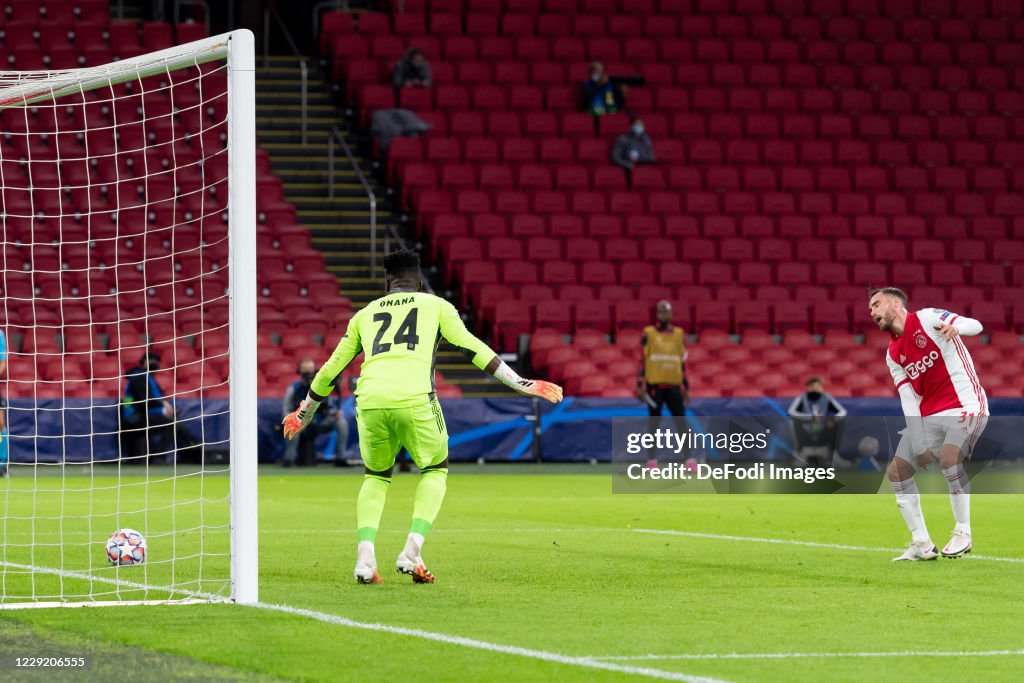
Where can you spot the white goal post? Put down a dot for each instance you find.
(127, 191)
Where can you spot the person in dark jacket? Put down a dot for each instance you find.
(817, 424)
(149, 423)
(633, 147)
(601, 95)
(302, 450)
(412, 70)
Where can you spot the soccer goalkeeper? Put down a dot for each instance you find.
(397, 403)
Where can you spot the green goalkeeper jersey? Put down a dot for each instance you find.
(399, 334)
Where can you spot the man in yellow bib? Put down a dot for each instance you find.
(662, 379)
(397, 403)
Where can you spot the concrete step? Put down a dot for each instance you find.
(328, 206)
(349, 267)
(350, 228)
(348, 243)
(302, 175)
(272, 97)
(320, 215)
(298, 162)
(289, 120)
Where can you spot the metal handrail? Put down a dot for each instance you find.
(337, 136)
(303, 65)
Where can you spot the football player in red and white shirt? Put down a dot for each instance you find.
(945, 406)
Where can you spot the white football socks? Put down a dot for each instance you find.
(365, 554)
(959, 496)
(908, 499)
(413, 546)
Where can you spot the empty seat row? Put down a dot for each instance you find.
(736, 152)
(748, 273)
(867, 179)
(666, 203)
(631, 22)
(442, 226)
(732, 249)
(703, 99)
(935, 10)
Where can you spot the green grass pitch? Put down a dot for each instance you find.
(541, 558)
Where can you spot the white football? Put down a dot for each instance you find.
(126, 547)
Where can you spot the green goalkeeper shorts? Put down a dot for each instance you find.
(383, 432)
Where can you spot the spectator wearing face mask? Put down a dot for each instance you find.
(412, 70)
(601, 95)
(302, 450)
(815, 402)
(634, 147)
(151, 429)
(817, 424)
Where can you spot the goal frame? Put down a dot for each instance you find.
(237, 47)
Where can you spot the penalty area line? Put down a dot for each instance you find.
(809, 655)
(666, 532)
(585, 662)
(805, 544)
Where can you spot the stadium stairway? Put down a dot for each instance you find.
(338, 227)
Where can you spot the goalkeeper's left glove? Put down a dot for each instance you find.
(297, 421)
(528, 387)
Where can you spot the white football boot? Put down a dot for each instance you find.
(366, 564)
(915, 552)
(413, 567)
(959, 544)
(366, 574)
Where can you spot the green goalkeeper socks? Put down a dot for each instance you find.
(370, 505)
(429, 495)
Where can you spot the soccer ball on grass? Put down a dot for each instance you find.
(126, 547)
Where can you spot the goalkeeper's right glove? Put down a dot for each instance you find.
(297, 421)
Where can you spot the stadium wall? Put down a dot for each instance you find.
(576, 430)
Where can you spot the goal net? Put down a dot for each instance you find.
(129, 318)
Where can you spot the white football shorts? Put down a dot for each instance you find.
(951, 427)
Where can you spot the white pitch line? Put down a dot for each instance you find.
(585, 662)
(121, 583)
(810, 655)
(806, 544)
(398, 630)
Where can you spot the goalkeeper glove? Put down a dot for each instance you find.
(297, 421)
(529, 387)
(538, 387)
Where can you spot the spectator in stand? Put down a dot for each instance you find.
(814, 402)
(412, 70)
(302, 450)
(817, 424)
(662, 378)
(150, 427)
(634, 147)
(601, 95)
